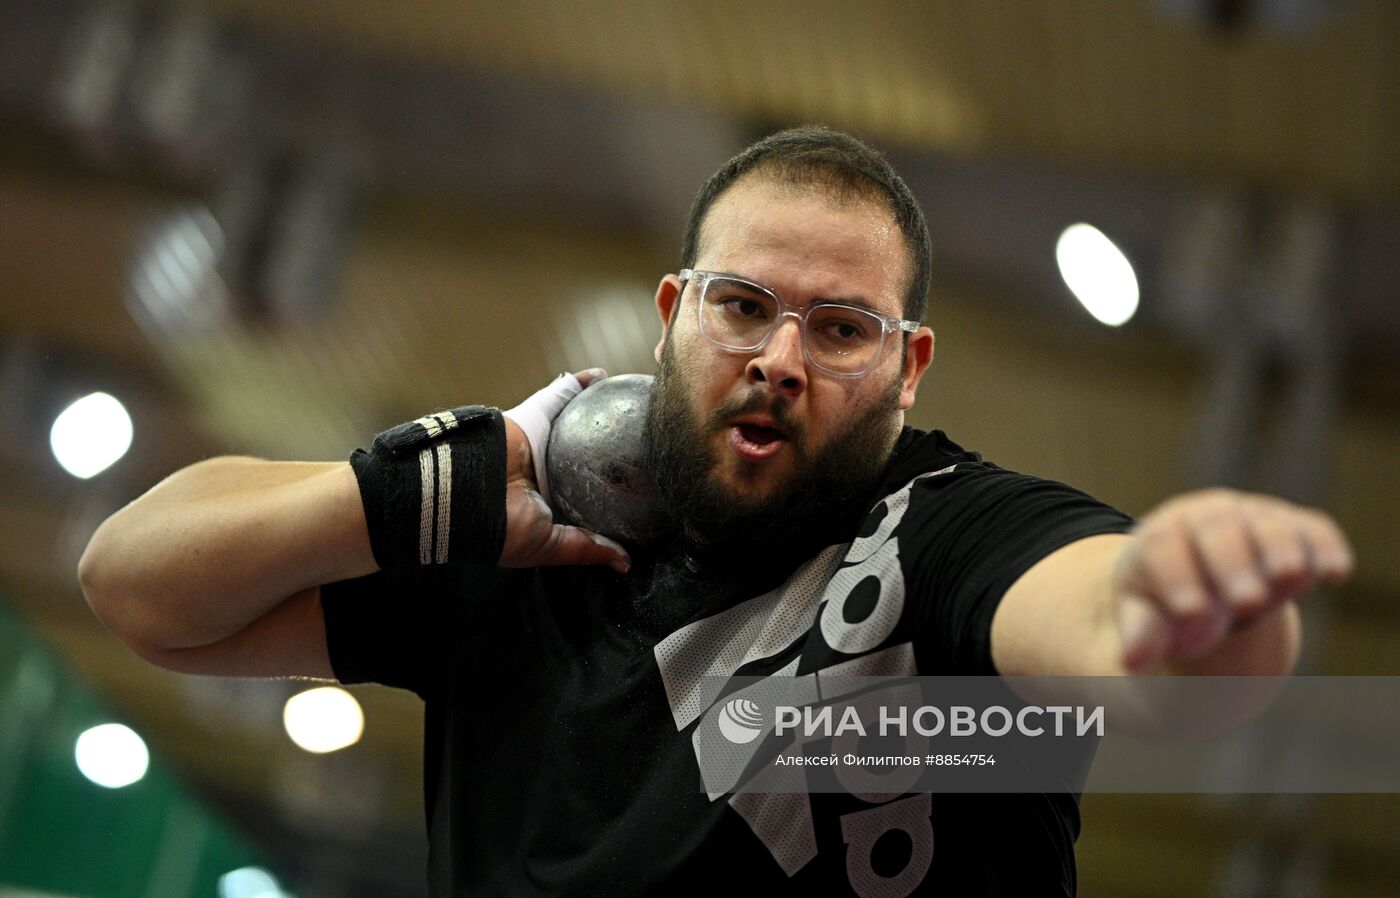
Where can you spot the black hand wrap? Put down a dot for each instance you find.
(434, 489)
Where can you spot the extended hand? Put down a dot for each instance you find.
(532, 537)
(1209, 564)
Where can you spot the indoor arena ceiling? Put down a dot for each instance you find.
(1307, 100)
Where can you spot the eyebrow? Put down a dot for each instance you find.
(853, 301)
(857, 301)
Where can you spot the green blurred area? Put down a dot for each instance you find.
(63, 835)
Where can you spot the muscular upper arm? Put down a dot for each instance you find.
(288, 641)
(1055, 620)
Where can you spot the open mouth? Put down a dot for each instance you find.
(756, 442)
(759, 435)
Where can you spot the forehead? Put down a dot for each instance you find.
(807, 244)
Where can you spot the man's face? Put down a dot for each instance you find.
(761, 440)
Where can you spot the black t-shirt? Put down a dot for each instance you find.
(561, 702)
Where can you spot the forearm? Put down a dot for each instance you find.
(1056, 619)
(217, 545)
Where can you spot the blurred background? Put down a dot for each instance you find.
(1167, 249)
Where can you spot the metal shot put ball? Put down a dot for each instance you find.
(596, 460)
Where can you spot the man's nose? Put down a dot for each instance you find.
(780, 363)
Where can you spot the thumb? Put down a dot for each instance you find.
(575, 545)
(1144, 633)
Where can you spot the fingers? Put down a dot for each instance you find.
(534, 540)
(1166, 609)
(1221, 536)
(1283, 552)
(589, 375)
(1278, 541)
(1210, 563)
(574, 545)
(535, 415)
(1329, 552)
(1168, 568)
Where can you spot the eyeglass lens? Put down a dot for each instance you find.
(740, 316)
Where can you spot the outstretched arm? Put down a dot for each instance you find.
(1208, 583)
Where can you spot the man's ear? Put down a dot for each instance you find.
(916, 361)
(668, 300)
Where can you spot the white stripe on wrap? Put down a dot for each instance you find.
(444, 500)
(425, 509)
(430, 423)
(437, 423)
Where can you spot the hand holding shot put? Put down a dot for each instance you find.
(532, 537)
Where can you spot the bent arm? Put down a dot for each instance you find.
(216, 568)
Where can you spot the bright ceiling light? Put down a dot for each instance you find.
(111, 755)
(323, 719)
(90, 435)
(1098, 273)
(249, 882)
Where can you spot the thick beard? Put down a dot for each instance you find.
(820, 503)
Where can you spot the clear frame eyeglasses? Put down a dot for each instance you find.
(838, 338)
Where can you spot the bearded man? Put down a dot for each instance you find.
(807, 530)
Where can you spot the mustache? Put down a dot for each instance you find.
(760, 400)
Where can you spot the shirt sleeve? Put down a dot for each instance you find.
(974, 531)
(395, 626)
